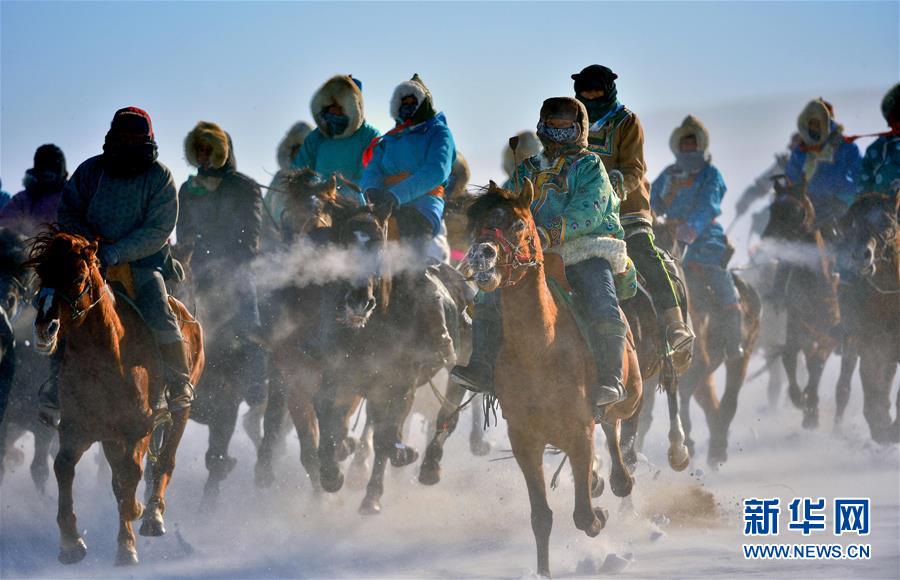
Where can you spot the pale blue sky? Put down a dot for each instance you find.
(252, 67)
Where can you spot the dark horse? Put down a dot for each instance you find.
(709, 354)
(870, 303)
(22, 369)
(809, 291)
(376, 353)
(109, 369)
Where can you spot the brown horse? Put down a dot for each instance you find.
(698, 381)
(809, 291)
(870, 299)
(108, 370)
(544, 368)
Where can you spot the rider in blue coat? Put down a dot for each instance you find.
(405, 175)
(689, 193)
(828, 165)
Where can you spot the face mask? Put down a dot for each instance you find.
(407, 111)
(601, 106)
(129, 160)
(816, 136)
(337, 124)
(690, 161)
(560, 135)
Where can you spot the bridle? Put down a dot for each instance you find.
(511, 257)
(77, 312)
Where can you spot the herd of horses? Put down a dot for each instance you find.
(375, 357)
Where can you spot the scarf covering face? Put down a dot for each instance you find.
(563, 108)
(560, 135)
(691, 161)
(123, 154)
(601, 106)
(337, 124)
(597, 78)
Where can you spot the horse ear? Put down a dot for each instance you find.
(526, 194)
(91, 249)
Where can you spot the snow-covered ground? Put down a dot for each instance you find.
(475, 522)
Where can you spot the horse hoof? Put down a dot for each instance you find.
(430, 473)
(679, 458)
(74, 553)
(404, 456)
(479, 447)
(332, 483)
(621, 485)
(153, 524)
(811, 420)
(126, 557)
(796, 397)
(370, 507)
(264, 477)
(598, 484)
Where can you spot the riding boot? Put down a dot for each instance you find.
(679, 337)
(607, 346)
(434, 323)
(478, 375)
(48, 395)
(731, 330)
(179, 392)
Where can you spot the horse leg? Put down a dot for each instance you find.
(849, 360)
(735, 373)
(789, 360)
(358, 473)
(686, 393)
(620, 480)
(160, 476)
(629, 435)
(530, 457)
(303, 415)
(272, 430)
(588, 519)
(648, 402)
(815, 364)
(876, 381)
(775, 369)
(387, 418)
(678, 455)
(445, 424)
(40, 470)
(218, 462)
(125, 461)
(72, 548)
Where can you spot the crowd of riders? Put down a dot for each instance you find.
(586, 163)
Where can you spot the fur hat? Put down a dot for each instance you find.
(416, 88)
(569, 108)
(291, 143)
(529, 146)
(343, 90)
(890, 105)
(459, 177)
(815, 109)
(132, 120)
(207, 134)
(49, 157)
(594, 77)
(691, 126)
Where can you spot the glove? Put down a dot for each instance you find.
(108, 256)
(383, 202)
(685, 233)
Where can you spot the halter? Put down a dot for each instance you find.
(511, 257)
(73, 302)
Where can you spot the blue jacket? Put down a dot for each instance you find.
(881, 165)
(327, 156)
(830, 174)
(425, 152)
(695, 199)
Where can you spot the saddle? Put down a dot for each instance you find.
(121, 282)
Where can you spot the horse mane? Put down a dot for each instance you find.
(491, 196)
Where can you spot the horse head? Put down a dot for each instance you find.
(310, 202)
(13, 279)
(368, 286)
(869, 234)
(505, 237)
(69, 274)
(791, 215)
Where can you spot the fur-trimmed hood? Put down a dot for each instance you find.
(580, 249)
(563, 106)
(291, 143)
(416, 88)
(529, 146)
(342, 90)
(821, 110)
(207, 134)
(459, 178)
(690, 126)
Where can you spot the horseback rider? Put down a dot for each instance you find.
(126, 199)
(274, 200)
(528, 146)
(35, 207)
(405, 176)
(880, 170)
(825, 163)
(616, 135)
(336, 145)
(763, 186)
(689, 195)
(219, 223)
(574, 202)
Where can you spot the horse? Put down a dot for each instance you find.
(22, 370)
(709, 353)
(871, 254)
(544, 367)
(809, 291)
(109, 369)
(371, 305)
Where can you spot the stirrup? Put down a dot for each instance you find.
(459, 375)
(183, 400)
